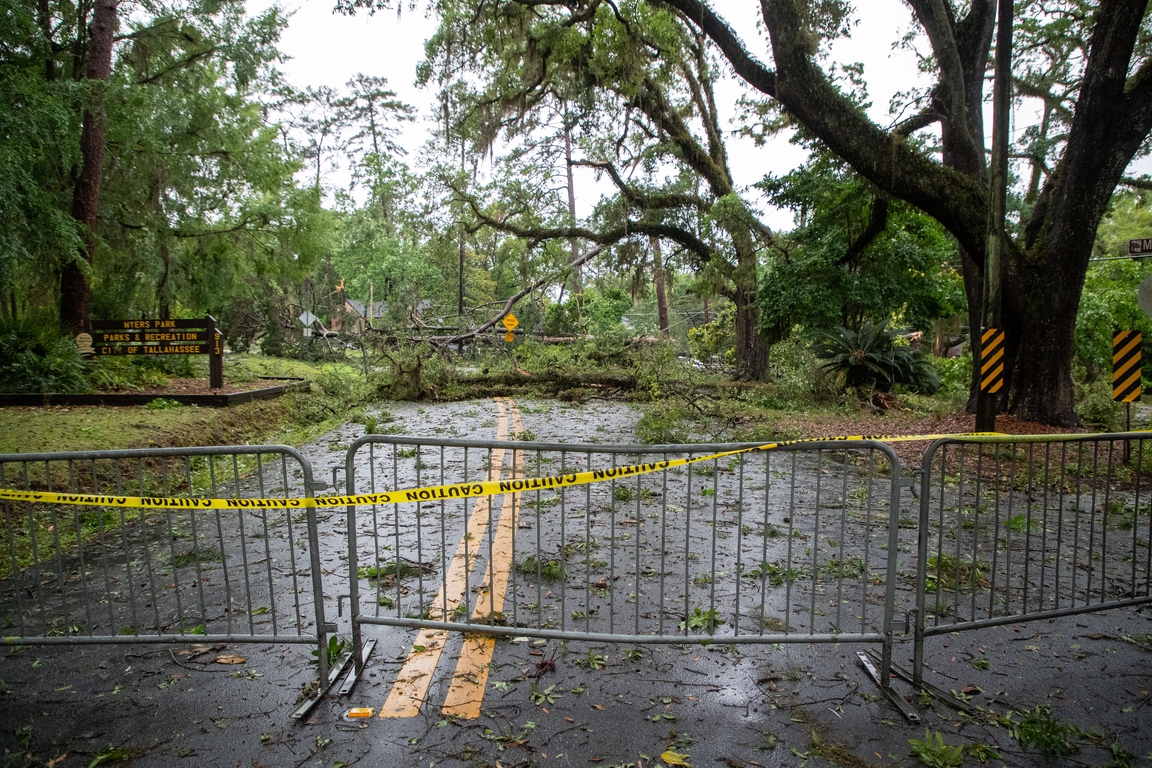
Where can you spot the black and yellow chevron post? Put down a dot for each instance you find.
(992, 360)
(1127, 366)
(1127, 375)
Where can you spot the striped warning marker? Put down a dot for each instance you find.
(992, 360)
(1127, 366)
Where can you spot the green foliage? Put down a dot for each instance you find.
(380, 254)
(542, 696)
(595, 311)
(1040, 731)
(208, 216)
(39, 358)
(110, 755)
(831, 274)
(663, 423)
(1095, 405)
(342, 385)
(945, 572)
(39, 147)
(982, 752)
(702, 620)
(413, 374)
(545, 569)
(1108, 302)
(336, 646)
(114, 374)
(714, 342)
(872, 358)
(798, 375)
(400, 569)
(777, 574)
(955, 376)
(934, 753)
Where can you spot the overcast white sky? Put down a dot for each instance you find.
(328, 49)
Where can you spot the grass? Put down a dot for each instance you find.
(292, 419)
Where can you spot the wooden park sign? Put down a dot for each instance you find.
(157, 337)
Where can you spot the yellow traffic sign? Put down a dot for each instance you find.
(509, 337)
(510, 322)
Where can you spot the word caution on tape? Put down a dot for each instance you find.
(472, 489)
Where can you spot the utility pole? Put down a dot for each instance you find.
(987, 404)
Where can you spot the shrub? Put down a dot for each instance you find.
(1096, 406)
(955, 375)
(871, 358)
(39, 358)
(797, 373)
(714, 343)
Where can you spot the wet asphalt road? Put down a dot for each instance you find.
(602, 704)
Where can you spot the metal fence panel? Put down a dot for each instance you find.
(1020, 528)
(79, 574)
(793, 545)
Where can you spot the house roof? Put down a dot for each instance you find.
(379, 308)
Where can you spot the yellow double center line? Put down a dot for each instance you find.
(466, 693)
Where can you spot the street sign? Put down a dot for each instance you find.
(186, 336)
(1144, 296)
(1127, 366)
(307, 317)
(509, 337)
(1140, 246)
(992, 360)
(510, 321)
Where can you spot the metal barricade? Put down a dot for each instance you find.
(796, 545)
(87, 574)
(1029, 527)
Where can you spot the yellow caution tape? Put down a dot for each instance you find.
(441, 492)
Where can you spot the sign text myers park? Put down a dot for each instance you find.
(195, 336)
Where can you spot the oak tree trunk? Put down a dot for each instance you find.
(751, 351)
(74, 285)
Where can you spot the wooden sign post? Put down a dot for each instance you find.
(157, 337)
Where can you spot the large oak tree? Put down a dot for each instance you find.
(1088, 62)
(1106, 105)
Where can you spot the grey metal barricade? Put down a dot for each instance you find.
(796, 545)
(86, 574)
(1019, 528)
